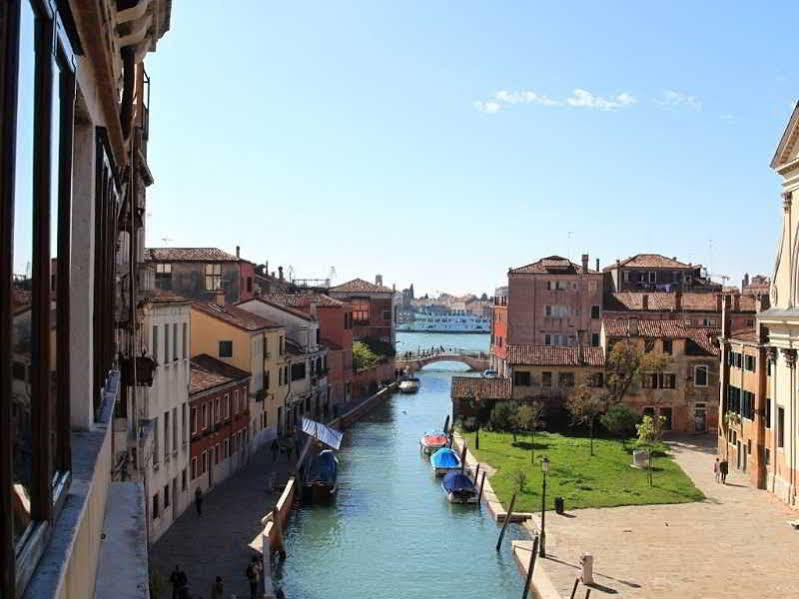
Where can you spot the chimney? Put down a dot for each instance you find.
(280, 272)
(219, 297)
(597, 264)
(585, 262)
(725, 315)
(745, 282)
(394, 287)
(378, 279)
(645, 302)
(238, 252)
(678, 301)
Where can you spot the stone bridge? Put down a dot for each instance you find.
(413, 361)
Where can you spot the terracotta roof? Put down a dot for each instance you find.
(285, 308)
(361, 286)
(549, 265)
(548, 355)
(235, 316)
(651, 261)
(702, 337)
(161, 296)
(189, 255)
(474, 387)
(208, 372)
(303, 300)
(658, 301)
(705, 339)
(747, 335)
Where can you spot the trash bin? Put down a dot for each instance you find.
(559, 505)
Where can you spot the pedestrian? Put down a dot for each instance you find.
(198, 501)
(177, 579)
(253, 573)
(274, 447)
(218, 589)
(717, 469)
(724, 468)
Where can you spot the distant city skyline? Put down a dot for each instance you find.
(442, 145)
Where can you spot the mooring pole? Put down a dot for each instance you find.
(463, 457)
(530, 567)
(507, 519)
(476, 472)
(587, 593)
(446, 424)
(482, 482)
(574, 588)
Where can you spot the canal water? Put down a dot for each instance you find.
(391, 532)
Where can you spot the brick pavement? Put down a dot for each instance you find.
(216, 543)
(734, 544)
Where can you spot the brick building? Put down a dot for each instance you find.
(374, 310)
(219, 419)
(198, 272)
(654, 272)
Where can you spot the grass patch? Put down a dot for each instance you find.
(604, 480)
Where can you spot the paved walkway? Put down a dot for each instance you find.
(215, 544)
(736, 543)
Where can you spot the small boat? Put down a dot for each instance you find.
(445, 460)
(409, 385)
(431, 442)
(459, 488)
(320, 484)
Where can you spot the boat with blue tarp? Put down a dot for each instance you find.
(459, 488)
(320, 483)
(445, 460)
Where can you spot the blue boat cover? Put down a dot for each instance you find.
(445, 458)
(455, 481)
(323, 467)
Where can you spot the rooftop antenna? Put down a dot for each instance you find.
(569, 245)
(331, 275)
(166, 240)
(710, 259)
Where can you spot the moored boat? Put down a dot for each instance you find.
(320, 484)
(459, 488)
(431, 442)
(409, 385)
(445, 460)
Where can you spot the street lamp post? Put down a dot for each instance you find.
(542, 545)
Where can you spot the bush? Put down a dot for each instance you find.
(468, 425)
(362, 356)
(503, 416)
(620, 420)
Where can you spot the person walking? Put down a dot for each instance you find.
(717, 469)
(178, 580)
(198, 501)
(723, 469)
(218, 589)
(275, 448)
(253, 574)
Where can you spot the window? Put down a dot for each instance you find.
(205, 462)
(700, 376)
(666, 414)
(249, 284)
(749, 363)
(217, 451)
(547, 340)
(226, 448)
(213, 277)
(747, 404)
(217, 411)
(767, 415)
(225, 349)
(163, 276)
(166, 436)
(667, 380)
(738, 360)
(546, 379)
(521, 378)
(174, 342)
(780, 427)
(298, 371)
(360, 311)
(204, 419)
(166, 343)
(155, 506)
(595, 340)
(183, 480)
(155, 441)
(155, 342)
(236, 401)
(667, 346)
(266, 381)
(733, 399)
(226, 406)
(185, 340)
(596, 379)
(594, 312)
(649, 380)
(194, 421)
(194, 472)
(183, 423)
(387, 315)
(767, 456)
(166, 496)
(566, 379)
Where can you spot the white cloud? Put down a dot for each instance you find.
(675, 99)
(489, 107)
(524, 97)
(582, 98)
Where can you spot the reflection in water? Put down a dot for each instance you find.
(391, 533)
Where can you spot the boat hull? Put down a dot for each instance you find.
(317, 492)
(463, 499)
(441, 471)
(408, 387)
(428, 449)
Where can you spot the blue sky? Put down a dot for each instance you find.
(440, 143)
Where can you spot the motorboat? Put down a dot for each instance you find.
(320, 483)
(459, 488)
(431, 442)
(409, 385)
(445, 460)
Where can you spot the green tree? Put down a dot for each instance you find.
(620, 420)
(586, 403)
(529, 418)
(502, 416)
(626, 364)
(362, 356)
(650, 431)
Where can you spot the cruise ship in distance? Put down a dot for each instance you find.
(457, 321)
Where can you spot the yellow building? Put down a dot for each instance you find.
(253, 344)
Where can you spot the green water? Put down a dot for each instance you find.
(391, 532)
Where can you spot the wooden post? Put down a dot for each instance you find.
(446, 425)
(463, 457)
(574, 588)
(476, 472)
(507, 519)
(587, 593)
(477, 437)
(530, 567)
(482, 482)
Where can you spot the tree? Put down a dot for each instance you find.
(620, 420)
(530, 417)
(626, 364)
(362, 356)
(484, 297)
(519, 478)
(502, 416)
(586, 403)
(649, 433)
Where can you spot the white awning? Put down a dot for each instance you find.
(329, 436)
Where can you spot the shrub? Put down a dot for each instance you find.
(362, 356)
(502, 416)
